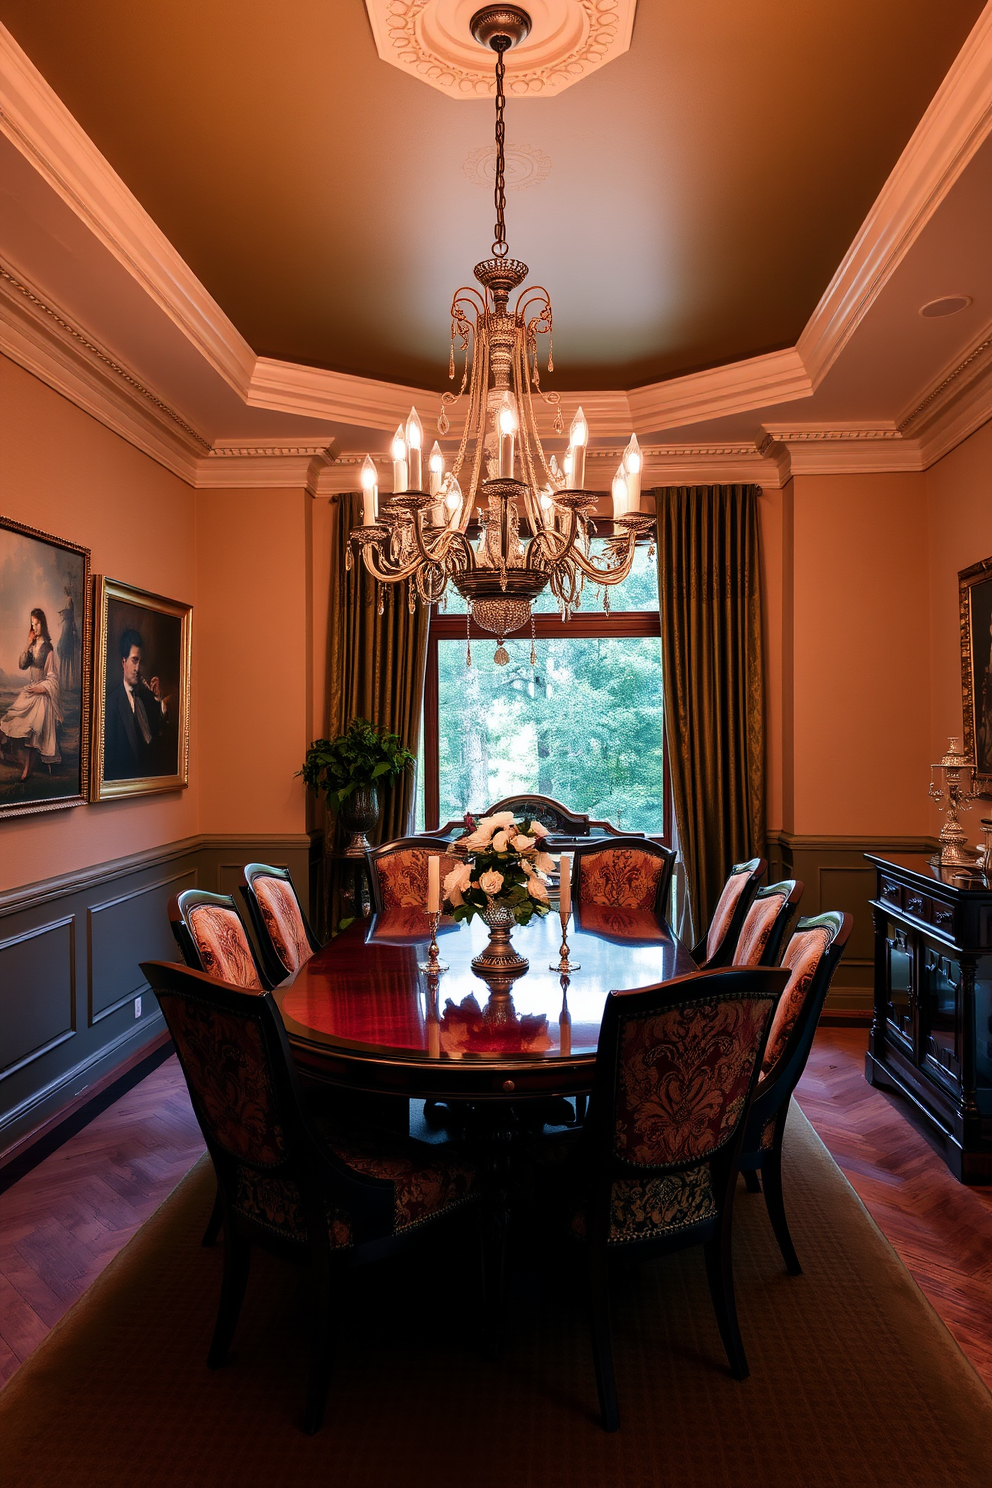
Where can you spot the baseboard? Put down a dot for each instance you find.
(113, 1062)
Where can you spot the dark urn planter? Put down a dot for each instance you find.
(358, 814)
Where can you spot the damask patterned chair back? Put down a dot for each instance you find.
(810, 959)
(398, 871)
(621, 874)
(676, 1071)
(284, 936)
(765, 924)
(212, 938)
(717, 946)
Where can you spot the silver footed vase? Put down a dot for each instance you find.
(499, 958)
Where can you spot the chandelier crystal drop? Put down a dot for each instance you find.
(533, 525)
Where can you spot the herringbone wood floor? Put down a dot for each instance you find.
(65, 1220)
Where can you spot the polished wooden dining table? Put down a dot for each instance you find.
(362, 1015)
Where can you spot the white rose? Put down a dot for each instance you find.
(491, 882)
(538, 830)
(537, 888)
(544, 862)
(457, 880)
(526, 866)
(476, 841)
(500, 841)
(454, 897)
(490, 824)
(523, 843)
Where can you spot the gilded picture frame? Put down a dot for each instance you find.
(141, 691)
(975, 584)
(45, 654)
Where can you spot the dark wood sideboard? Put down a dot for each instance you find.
(931, 1033)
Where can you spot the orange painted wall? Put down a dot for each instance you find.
(253, 693)
(959, 508)
(64, 473)
(860, 665)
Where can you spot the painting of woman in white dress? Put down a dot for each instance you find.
(33, 718)
(44, 679)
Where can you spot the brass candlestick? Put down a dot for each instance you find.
(433, 965)
(563, 966)
(956, 790)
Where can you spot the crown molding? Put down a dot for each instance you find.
(757, 382)
(46, 343)
(35, 120)
(840, 449)
(253, 467)
(952, 129)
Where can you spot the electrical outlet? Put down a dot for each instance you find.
(137, 1007)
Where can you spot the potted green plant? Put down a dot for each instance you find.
(348, 771)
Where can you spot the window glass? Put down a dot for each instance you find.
(584, 726)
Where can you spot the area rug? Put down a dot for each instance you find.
(855, 1383)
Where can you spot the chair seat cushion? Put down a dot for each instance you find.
(655, 1205)
(428, 1182)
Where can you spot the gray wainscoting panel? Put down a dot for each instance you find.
(123, 931)
(37, 993)
(67, 1015)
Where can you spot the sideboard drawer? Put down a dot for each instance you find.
(891, 892)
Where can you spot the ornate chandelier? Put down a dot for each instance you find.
(534, 525)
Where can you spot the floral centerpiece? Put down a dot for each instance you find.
(503, 879)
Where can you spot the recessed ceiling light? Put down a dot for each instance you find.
(946, 305)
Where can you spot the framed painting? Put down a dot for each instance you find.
(976, 667)
(140, 692)
(44, 671)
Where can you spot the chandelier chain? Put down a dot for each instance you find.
(500, 246)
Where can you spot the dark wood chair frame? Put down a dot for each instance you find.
(774, 1094)
(601, 1165)
(400, 844)
(791, 891)
(274, 968)
(179, 907)
(559, 821)
(722, 956)
(320, 1175)
(668, 855)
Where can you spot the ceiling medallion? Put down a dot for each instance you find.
(503, 523)
(566, 41)
(525, 166)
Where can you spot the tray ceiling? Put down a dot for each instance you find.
(685, 206)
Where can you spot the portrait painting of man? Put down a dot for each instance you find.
(44, 671)
(976, 635)
(142, 724)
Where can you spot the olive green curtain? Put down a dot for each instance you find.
(376, 663)
(709, 589)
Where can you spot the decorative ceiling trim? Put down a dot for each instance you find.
(42, 340)
(757, 382)
(945, 140)
(952, 383)
(265, 450)
(37, 122)
(252, 468)
(525, 165)
(432, 41)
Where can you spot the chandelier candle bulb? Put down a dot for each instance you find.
(621, 493)
(370, 492)
(434, 884)
(507, 432)
(632, 464)
(415, 448)
(578, 435)
(435, 465)
(398, 453)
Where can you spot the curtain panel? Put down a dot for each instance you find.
(376, 663)
(709, 591)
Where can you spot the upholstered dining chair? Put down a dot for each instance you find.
(810, 958)
(658, 1157)
(625, 873)
(398, 871)
(212, 938)
(716, 948)
(764, 926)
(282, 931)
(331, 1198)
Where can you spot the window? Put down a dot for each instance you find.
(583, 725)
